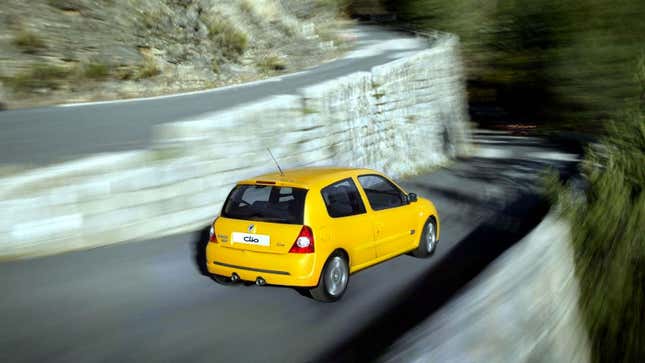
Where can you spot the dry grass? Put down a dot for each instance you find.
(215, 66)
(231, 41)
(148, 69)
(271, 63)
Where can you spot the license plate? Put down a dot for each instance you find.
(251, 239)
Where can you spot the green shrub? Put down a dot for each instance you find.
(227, 37)
(39, 76)
(609, 240)
(96, 71)
(28, 42)
(608, 230)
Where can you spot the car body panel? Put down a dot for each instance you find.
(366, 239)
(281, 235)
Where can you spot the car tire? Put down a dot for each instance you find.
(334, 279)
(428, 240)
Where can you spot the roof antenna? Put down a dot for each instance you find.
(275, 161)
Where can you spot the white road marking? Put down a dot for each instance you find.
(210, 90)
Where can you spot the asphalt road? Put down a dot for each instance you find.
(147, 301)
(50, 134)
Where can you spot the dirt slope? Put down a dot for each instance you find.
(57, 51)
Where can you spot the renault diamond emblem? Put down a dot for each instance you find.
(251, 228)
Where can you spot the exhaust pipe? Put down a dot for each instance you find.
(260, 281)
(235, 277)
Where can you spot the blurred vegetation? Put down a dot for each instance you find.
(231, 41)
(38, 77)
(563, 62)
(42, 77)
(27, 41)
(566, 65)
(96, 71)
(271, 63)
(341, 7)
(609, 239)
(147, 69)
(66, 5)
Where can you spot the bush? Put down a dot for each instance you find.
(271, 63)
(215, 66)
(609, 240)
(147, 70)
(28, 42)
(96, 71)
(229, 39)
(39, 76)
(124, 73)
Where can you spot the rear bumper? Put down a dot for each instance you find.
(276, 269)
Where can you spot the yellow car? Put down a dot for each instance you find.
(313, 227)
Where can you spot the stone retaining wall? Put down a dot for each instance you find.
(402, 117)
(522, 308)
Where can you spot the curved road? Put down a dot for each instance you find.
(51, 134)
(147, 301)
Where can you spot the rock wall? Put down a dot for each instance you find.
(401, 117)
(522, 308)
(89, 50)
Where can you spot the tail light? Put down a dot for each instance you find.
(305, 241)
(212, 238)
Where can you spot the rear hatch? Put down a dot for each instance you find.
(263, 218)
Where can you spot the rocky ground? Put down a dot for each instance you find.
(61, 51)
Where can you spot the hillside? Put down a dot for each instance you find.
(59, 51)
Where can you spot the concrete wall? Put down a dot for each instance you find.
(522, 308)
(400, 118)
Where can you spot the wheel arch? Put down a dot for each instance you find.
(429, 211)
(433, 217)
(340, 250)
(343, 252)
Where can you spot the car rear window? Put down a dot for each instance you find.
(266, 203)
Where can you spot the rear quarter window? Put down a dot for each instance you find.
(266, 203)
(342, 199)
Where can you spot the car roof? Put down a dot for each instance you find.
(311, 177)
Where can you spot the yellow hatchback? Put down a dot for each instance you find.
(313, 227)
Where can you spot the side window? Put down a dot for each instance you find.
(381, 193)
(342, 199)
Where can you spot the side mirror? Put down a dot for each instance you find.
(412, 197)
